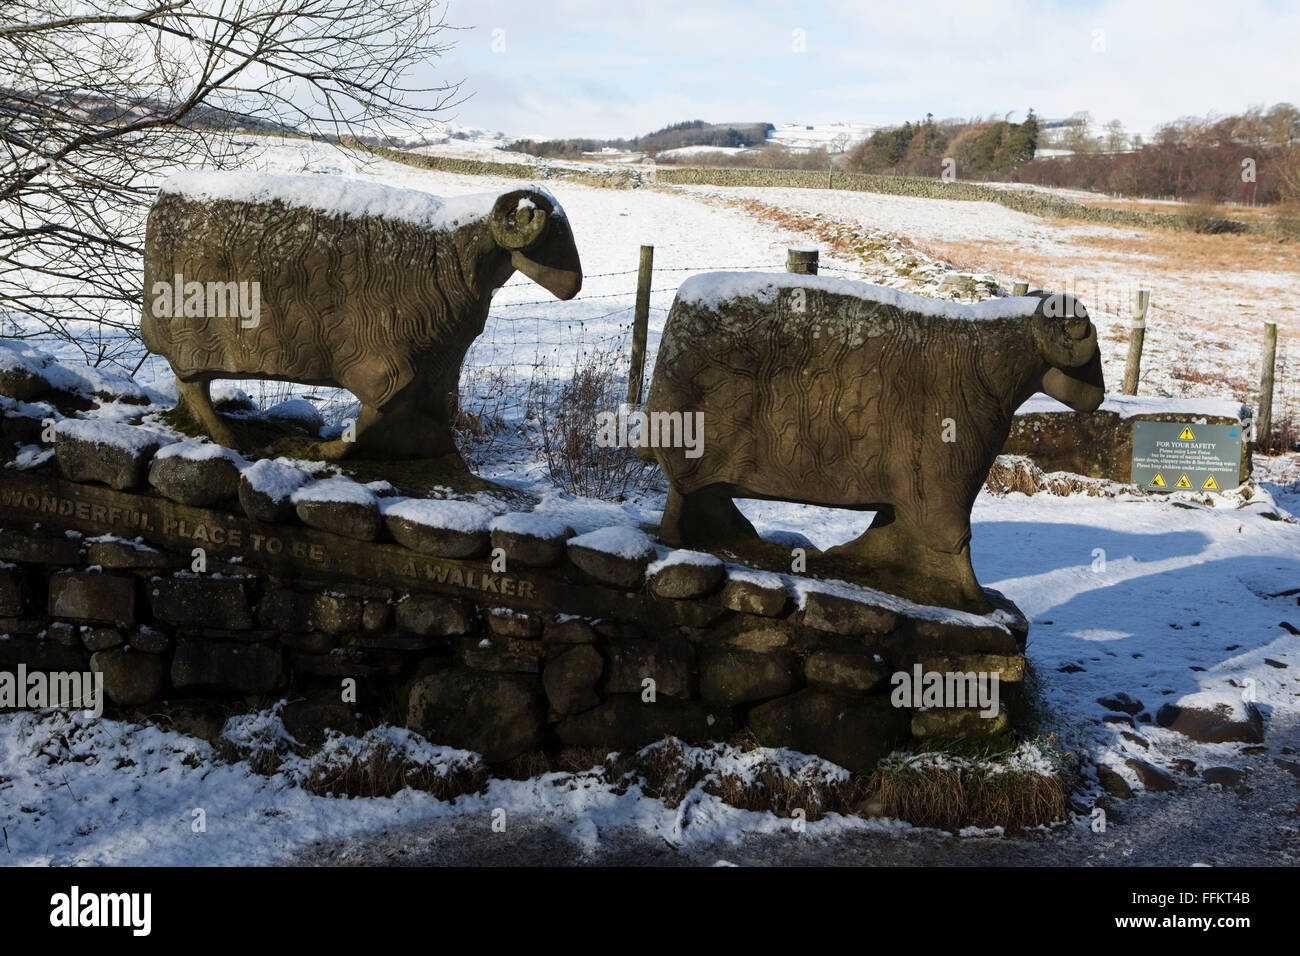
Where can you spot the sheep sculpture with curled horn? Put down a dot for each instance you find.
(844, 394)
(374, 289)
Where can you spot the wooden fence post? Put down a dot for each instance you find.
(1137, 333)
(1264, 428)
(640, 320)
(1020, 288)
(801, 261)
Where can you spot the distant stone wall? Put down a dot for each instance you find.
(563, 647)
(1022, 200)
(602, 177)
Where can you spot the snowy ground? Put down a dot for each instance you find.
(1184, 599)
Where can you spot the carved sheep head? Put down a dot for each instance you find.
(531, 225)
(1067, 340)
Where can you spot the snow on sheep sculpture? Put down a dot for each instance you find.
(843, 394)
(330, 281)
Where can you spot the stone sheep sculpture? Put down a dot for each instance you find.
(844, 394)
(330, 281)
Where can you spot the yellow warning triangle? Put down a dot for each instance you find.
(1182, 482)
(1186, 435)
(1211, 483)
(1158, 481)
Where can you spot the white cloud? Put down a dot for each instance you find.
(575, 67)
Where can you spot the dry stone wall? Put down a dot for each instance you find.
(505, 637)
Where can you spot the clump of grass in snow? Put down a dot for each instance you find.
(1014, 789)
(1021, 790)
(775, 781)
(382, 762)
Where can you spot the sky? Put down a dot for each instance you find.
(616, 68)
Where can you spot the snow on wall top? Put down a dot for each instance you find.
(1131, 406)
(618, 540)
(199, 450)
(714, 289)
(445, 514)
(530, 523)
(275, 479)
(113, 434)
(336, 195)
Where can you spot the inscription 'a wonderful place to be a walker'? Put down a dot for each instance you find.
(233, 537)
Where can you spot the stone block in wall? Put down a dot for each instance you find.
(88, 596)
(13, 592)
(351, 519)
(1009, 668)
(669, 662)
(761, 639)
(755, 593)
(285, 611)
(431, 615)
(347, 662)
(116, 553)
(202, 602)
(377, 615)
(393, 641)
(842, 614)
(686, 574)
(850, 730)
(336, 613)
(570, 679)
(569, 631)
(958, 723)
(614, 556)
(150, 640)
(624, 722)
(101, 638)
(59, 549)
(245, 669)
(23, 625)
(737, 677)
(115, 454)
(511, 623)
(494, 652)
(196, 481)
(311, 642)
(39, 654)
(497, 715)
(848, 670)
(530, 539)
(60, 632)
(131, 677)
(445, 528)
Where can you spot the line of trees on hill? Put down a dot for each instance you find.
(673, 136)
(1237, 158)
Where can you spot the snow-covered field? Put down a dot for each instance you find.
(1155, 597)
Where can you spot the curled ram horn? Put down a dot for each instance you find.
(1065, 334)
(520, 218)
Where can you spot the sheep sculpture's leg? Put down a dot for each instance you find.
(901, 551)
(198, 401)
(398, 431)
(705, 517)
